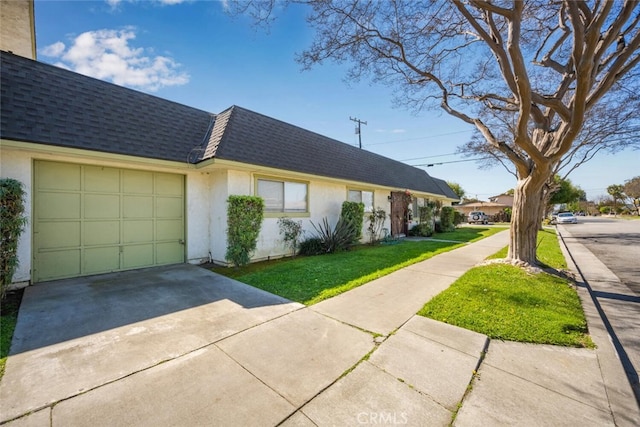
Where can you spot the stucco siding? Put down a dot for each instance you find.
(198, 195)
(17, 165)
(325, 199)
(218, 215)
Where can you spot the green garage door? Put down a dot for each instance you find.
(92, 219)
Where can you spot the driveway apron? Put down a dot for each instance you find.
(76, 335)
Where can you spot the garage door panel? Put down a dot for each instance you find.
(138, 182)
(58, 176)
(90, 219)
(58, 264)
(169, 184)
(169, 207)
(138, 231)
(138, 206)
(169, 230)
(136, 256)
(106, 180)
(58, 234)
(101, 206)
(169, 253)
(101, 233)
(101, 260)
(58, 205)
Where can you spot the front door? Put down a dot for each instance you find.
(399, 213)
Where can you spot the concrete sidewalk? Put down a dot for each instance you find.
(362, 357)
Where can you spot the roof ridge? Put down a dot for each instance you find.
(332, 140)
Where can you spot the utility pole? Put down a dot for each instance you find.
(359, 122)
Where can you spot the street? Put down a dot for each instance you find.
(607, 254)
(615, 242)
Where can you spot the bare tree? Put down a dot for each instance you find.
(526, 74)
(632, 191)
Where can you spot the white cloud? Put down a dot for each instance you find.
(107, 55)
(398, 131)
(53, 50)
(115, 3)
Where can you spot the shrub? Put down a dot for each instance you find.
(424, 229)
(11, 226)
(376, 222)
(353, 212)
(311, 246)
(447, 218)
(338, 238)
(291, 231)
(425, 217)
(244, 219)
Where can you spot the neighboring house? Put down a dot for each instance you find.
(489, 208)
(503, 199)
(117, 179)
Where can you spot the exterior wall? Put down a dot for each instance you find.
(206, 196)
(18, 164)
(218, 214)
(17, 32)
(325, 200)
(198, 231)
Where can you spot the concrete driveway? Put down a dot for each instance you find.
(77, 336)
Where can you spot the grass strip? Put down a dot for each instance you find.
(506, 302)
(309, 280)
(8, 320)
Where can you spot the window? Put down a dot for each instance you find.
(362, 196)
(283, 196)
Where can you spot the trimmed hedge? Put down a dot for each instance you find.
(12, 224)
(244, 220)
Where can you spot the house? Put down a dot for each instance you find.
(117, 179)
(489, 208)
(503, 199)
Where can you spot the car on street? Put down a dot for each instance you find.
(566, 218)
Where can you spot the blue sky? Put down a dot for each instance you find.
(192, 52)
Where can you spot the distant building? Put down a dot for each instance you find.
(503, 199)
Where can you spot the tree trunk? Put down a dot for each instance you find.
(525, 221)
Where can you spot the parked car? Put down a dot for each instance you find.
(477, 217)
(566, 218)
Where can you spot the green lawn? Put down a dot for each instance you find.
(8, 319)
(310, 280)
(506, 302)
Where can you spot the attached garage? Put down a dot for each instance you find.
(92, 219)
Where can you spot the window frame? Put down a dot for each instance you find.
(283, 181)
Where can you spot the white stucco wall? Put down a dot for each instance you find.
(325, 200)
(17, 165)
(198, 230)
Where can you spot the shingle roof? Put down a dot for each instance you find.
(46, 104)
(253, 138)
(49, 105)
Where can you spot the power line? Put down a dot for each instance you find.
(422, 137)
(428, 157)
(453, 161)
